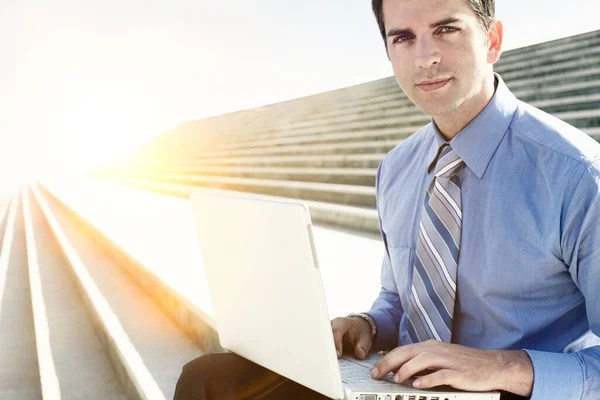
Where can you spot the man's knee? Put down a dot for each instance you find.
(200, 373)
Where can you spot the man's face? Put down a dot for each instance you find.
(433, 40)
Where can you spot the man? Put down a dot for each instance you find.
(489, 216)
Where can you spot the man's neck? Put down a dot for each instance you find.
(450, 125)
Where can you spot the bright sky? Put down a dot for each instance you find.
(83, 82)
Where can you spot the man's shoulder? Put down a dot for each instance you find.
(411, 148)
(548, 133)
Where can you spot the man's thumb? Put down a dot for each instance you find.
(362, 348)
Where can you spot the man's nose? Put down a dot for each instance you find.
(428, 54)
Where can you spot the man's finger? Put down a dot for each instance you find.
(337, 338)
(420, 362)
(393, 360)
(363, 344)
(438, 378)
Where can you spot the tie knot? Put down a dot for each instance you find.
(447, 162)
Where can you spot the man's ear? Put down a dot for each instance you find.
(494, 41)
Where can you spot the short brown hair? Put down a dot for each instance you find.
(484, 10)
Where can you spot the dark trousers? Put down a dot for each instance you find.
(227, 376)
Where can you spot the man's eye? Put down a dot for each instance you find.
(401, 38)
(446, 29)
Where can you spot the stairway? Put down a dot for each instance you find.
(74, 323)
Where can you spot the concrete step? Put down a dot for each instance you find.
(148, 347)
(573, 103)
(568, 65)
(342, 176)
(308, 161)
(566, 90)
(583, 41)
(19, 376)
(350, 217)
(552, 58)
(351, 195)
(357, 147)
(73, 362)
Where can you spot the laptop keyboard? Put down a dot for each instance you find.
(353, 372)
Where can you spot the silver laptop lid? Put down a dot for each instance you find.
(257, 252)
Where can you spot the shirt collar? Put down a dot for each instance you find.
(477, 142)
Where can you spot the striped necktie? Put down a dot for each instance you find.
(433, 290)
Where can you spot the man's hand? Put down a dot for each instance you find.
(461, 367)
(353, 333)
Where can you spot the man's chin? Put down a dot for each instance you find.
(434, 109)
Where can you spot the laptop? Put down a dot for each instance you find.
(268, 300)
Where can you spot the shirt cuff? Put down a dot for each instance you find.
(387, 331)
(556, 375)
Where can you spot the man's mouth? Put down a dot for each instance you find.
(433, 84)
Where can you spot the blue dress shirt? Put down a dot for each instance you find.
(529, 263)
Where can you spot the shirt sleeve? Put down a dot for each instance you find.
(386, 309)
(576, 375)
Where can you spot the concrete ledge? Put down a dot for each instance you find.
(7, 241)
(50, 385)
(342, 176)
(319, 161)
(328, 192)
(358, 147)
